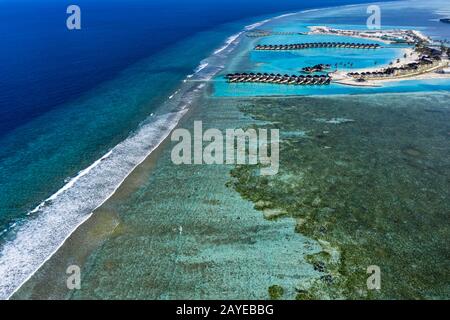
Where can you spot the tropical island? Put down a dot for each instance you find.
(363, 177)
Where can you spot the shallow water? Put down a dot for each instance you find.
(370, 175)
(45, 157)
(226, 249)
(291, 62)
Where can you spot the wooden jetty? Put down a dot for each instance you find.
(278, 79)
(265, 33)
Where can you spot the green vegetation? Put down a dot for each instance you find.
(276, 292)
(372, 191)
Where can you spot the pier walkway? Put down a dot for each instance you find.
(300, 46)
(278, 79)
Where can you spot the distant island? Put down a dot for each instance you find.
(421, 60)
(445, 20)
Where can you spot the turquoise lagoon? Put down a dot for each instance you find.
(291, 62)
(183, 232)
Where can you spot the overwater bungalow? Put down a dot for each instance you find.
(423, 64)
(298, 46)
(293, 80)
(316, 68)
(278, 79)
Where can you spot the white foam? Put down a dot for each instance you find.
(173, 95)
(257, 24)
(442, 12)
(310, 10)
(69, 184)
(286, 15)
(56, 218)
(234, 37)
(202, 66)
(334, 120)
(253, 26)
(229, 41)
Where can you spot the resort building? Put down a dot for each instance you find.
(278, 79)
(424, 64)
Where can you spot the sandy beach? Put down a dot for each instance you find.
(408, 55)
(317, 30)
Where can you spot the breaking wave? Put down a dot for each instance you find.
(51, 223)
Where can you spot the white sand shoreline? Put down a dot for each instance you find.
(408, 56)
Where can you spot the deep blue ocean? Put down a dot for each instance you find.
(70, 98)
(79, 109)
(44, 65)
(67, 97)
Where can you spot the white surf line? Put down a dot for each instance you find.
(169, 129)
(232, 39)
(229, 41)
(10, 292)
(285, 15)
(255, 25)
(201, 67)
(70, 184)
(12, 288)
(174, 94)
(236, 36)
